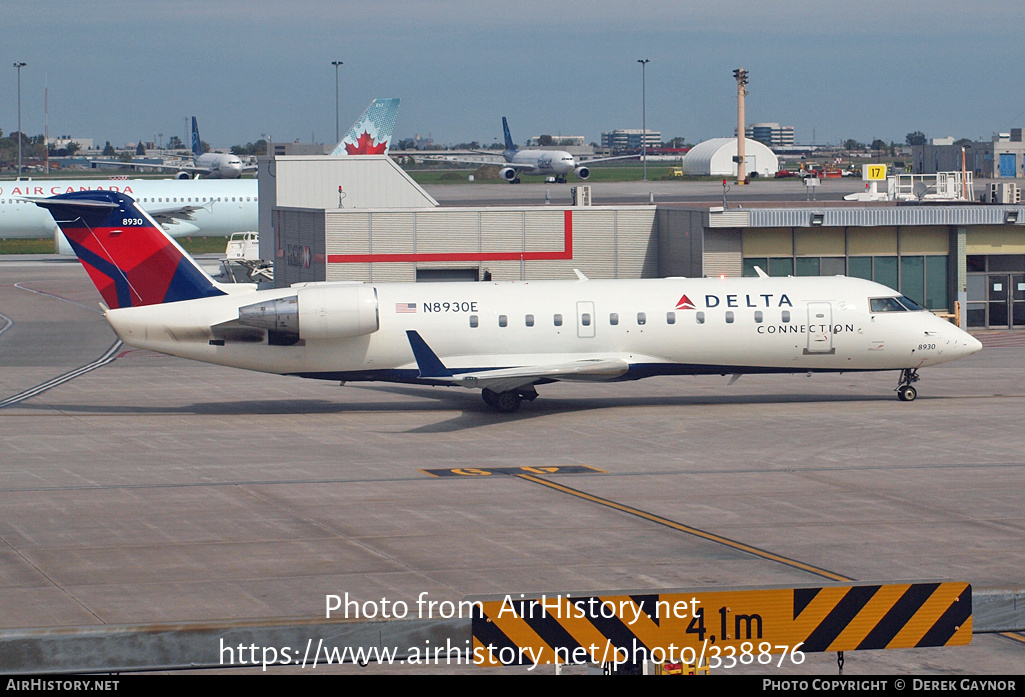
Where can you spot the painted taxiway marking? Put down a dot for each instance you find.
(19, 286)
(711, 537)
(488, 471)
(108, 357)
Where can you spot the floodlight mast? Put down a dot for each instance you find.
(18, 66)
(741, 76)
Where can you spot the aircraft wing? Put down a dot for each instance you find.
(191, 169)
(166, 215)
(608, 159)
(502, 379)
(501, 163)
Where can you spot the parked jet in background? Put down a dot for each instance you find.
(213, 165)
(210, 165)
(503, 338)
(551, 163)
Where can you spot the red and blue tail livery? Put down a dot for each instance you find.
(129, 258)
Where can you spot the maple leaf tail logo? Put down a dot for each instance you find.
(366, 146)
(684, 303)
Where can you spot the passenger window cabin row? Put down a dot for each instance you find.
(901, 304)
(642, 318)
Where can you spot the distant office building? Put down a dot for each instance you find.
(630, 139)
(557, 141)
(771, 134)
(1001, 157)
(62, 142)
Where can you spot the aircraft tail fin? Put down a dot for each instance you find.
(128, 256)
(509, 144)
(372, 132)
(197, 144)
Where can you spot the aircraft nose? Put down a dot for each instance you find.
(971, 345)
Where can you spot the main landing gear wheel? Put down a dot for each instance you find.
(509, 401)
(905, 392)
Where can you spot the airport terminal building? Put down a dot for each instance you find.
(387, 229)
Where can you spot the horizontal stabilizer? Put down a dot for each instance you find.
(128, 256)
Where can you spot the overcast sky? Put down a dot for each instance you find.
(121, 70)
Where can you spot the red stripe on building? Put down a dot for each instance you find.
(565, 253)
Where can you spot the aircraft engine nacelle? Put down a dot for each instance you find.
(582, 172)
(317, 312)
(183, 175)
(507, 173)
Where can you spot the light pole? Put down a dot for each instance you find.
(338, 135)
(644, 116)
(19, 66)
(741, 76)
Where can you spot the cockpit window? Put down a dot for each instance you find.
(886, 305)
(909, 303)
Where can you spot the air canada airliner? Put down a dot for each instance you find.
(503, 338)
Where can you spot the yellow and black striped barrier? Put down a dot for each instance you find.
(721, 626)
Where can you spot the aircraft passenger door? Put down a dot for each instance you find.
(585, 320)
(820, 332)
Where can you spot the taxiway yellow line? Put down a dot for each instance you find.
(703, 534)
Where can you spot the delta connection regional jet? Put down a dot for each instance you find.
(503, 338)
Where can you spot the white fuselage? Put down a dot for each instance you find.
(220, 165)
(222, 207)
(659, 326)
(543, 162)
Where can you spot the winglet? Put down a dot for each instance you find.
(426, 360)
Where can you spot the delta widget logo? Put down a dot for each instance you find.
(684, 303)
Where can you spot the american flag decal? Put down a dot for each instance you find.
(405, 308)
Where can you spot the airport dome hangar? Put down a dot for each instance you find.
(715, 158)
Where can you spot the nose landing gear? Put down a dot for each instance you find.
(905, 392)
